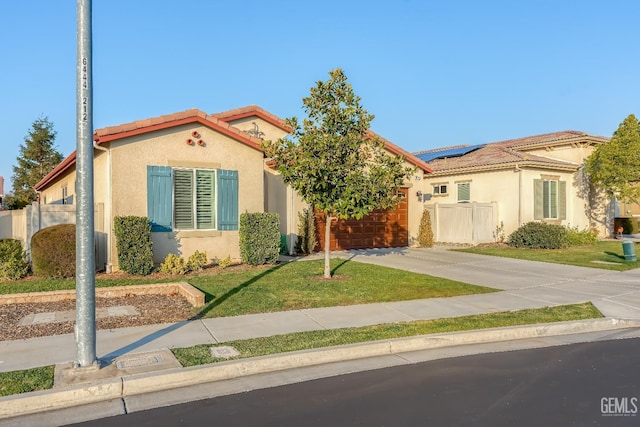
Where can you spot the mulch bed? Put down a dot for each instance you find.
(152, 308)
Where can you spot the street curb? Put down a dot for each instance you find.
(122, 387)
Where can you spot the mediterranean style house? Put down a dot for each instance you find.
(536, 178)
(194, 173)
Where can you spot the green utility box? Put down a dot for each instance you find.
(628, 250)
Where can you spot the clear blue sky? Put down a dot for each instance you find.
(434, 73)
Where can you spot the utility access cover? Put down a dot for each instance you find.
(224, 352)
(136, 362)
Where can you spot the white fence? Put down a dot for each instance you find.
(24, 223)
(463, 222)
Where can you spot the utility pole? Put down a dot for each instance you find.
(85, 257)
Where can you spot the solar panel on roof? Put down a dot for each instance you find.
(454, 152)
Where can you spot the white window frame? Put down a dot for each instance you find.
(437, 189)
(194, 198)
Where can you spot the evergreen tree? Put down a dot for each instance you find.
(333, 161)
(615, 165)
(38, 156)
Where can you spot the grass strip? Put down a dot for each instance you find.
(26, 380)
(200, 354)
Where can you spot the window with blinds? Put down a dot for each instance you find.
(194, 199)
(550, 199)
(464, 192)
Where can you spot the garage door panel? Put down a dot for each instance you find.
(380, 229)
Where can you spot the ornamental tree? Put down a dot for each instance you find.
(38, 156)
(333, 161)
(615, 165)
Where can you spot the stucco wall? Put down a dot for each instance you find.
(131, 156)
(513, 190)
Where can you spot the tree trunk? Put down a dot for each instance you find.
(327, 247)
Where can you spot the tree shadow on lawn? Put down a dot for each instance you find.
(220, 300)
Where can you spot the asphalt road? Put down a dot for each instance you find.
(591, 384)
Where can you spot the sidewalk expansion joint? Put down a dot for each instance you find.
(213, 335)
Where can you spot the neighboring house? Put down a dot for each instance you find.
(537, 178)
(192, 174)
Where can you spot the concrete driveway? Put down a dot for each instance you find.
(616, 294)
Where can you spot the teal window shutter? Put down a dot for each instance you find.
(227, 199)
(159, 208)
(538, 212)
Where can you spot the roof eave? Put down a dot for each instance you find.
(505, 166)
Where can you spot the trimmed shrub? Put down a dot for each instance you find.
(53, 251)
(174, 264)
(13, 261)
(259, 238)
(425, 233)
(306, 242)
(583, 237)
(197, 261)
(133, 241)
(539, 235)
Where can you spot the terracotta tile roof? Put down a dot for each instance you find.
(139, 127)
(252, 110)
(217, 121)
(504, 154)
(163, 122)
(401, 152)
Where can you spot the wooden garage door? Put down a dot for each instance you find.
(380, 229)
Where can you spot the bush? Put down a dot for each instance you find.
(259, 238)
(425, 233)
(53, 251)
(197, 261)
(13, 262)
(226, 262)
(133, 241)
(306, 242)
(539, 235)
(583, 237)
(174, 264)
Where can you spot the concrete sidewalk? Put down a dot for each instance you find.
(524, 284)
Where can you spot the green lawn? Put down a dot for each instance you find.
(606, 254)
(287, 286)
(200, 354)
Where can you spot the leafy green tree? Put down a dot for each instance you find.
(38, 156)
(615, 166)
(333, 161)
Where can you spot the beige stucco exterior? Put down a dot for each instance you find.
(511, 188)
(122, 172)
(227, 141)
